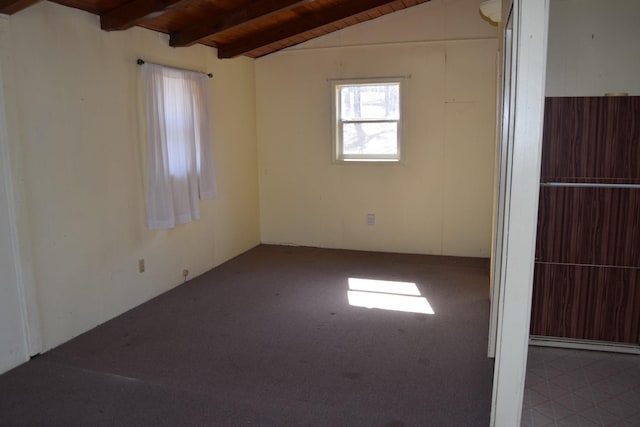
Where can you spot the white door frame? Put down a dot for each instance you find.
(503, 169)
(529, 55)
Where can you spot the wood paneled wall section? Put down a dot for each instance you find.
(587, 271)
(591, 139)
(592, 226)
(587, 302)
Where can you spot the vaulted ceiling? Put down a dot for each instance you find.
(253, 28)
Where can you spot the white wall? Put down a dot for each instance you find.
(593, 47)
(13, 334)
(77, 158)
(440, 200)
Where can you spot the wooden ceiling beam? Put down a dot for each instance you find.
(232, 19)
(9, 7)
(131, 13)
(306, 22)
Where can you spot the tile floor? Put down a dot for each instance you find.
(581, 388)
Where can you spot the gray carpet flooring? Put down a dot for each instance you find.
(269, 339)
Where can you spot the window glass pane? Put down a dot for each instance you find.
(370, 101)
(370, 138)
(177, 110)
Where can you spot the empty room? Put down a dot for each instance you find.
(278, 212)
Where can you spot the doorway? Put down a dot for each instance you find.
(529, 20)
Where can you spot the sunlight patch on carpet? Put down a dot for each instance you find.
(387, 295)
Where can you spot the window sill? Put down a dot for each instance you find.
(372, 162)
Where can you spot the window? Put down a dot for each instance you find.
(179, 166)
(367, 120)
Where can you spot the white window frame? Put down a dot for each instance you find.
(338, 155)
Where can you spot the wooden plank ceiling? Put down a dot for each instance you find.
(253, 28)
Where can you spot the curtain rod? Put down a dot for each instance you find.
(142, 61)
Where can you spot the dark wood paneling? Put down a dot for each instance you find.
(586, 302)
(211, 25)
(248, 27)
(599, 226)
(92, 6)
(591, 137)
(135, 11)
(315, 15)
(587, 274)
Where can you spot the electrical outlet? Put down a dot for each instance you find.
(371, 219)
(185, 273)
(141, 265)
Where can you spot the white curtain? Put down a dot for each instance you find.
(179, 167)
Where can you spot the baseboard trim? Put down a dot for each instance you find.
(612, 347)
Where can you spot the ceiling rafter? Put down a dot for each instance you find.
(9, 7)
(307, 22)
(232, 19)
(253, 28)
(131, 13)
